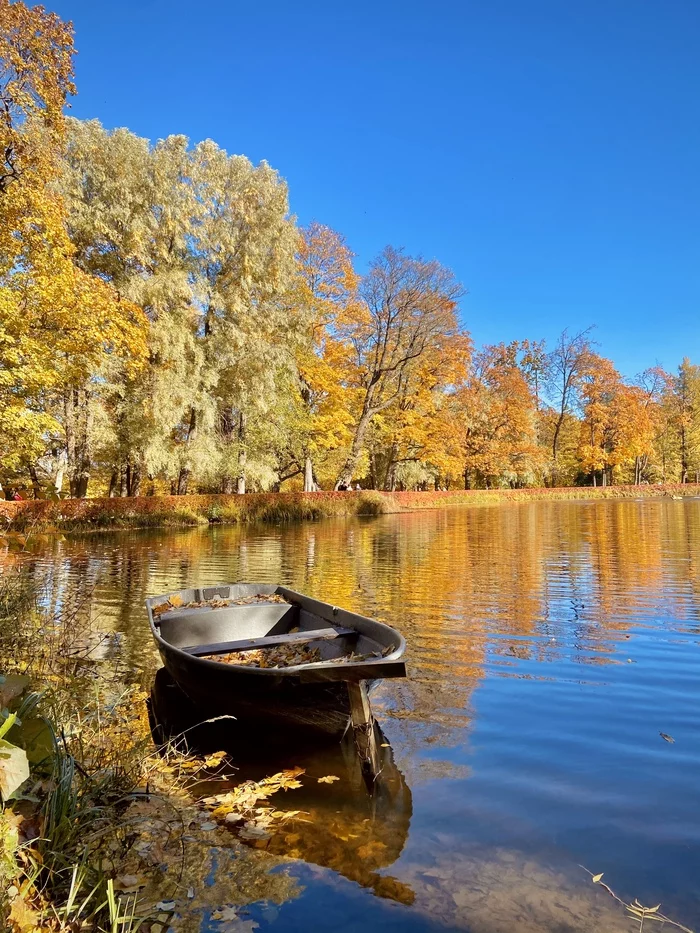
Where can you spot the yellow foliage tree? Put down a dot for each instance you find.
(415, 439)
(325, 290)
(56, 322)
(617, 429)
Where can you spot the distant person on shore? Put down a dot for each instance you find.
(16, 497)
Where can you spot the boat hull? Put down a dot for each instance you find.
(311, 697)
(272, 701)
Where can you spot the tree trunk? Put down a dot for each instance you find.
(123, 485)
(242, 455)
(134, 480)
(372, 470)
(78, 425)
(185, 471)
(113, 480)
(183, 482)
(309, 483)
(390, 478)
(228, 422)
(348, 468)
(36, 485)
(684, 457)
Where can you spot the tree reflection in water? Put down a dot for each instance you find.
(549, 644)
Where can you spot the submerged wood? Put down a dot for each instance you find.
(363, 728)
(313, 695)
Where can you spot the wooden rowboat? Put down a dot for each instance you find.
(204, 636)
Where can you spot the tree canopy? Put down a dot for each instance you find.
(166, 325)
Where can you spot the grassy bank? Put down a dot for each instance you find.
(164, 511)
(100, 831)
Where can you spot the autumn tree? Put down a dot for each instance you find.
(498, 416)
(653, 384)
(406, 307)
(324, 288)
(617, 429)
(682, 405)
(203, 242)
(56, 322)
(566, 366)
(413, 441)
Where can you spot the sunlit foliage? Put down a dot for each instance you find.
(166, 327)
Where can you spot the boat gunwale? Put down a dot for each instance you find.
(291, 671)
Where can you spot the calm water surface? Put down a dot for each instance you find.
(549, 645)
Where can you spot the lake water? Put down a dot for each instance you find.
(549, 646)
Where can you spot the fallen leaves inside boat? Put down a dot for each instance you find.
(278, 656)
(176, 602)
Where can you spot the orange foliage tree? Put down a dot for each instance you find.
(498, 415)
(406, 310)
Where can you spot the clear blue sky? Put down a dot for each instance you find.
(547, 150)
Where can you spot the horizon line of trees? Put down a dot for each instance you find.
(165, 325)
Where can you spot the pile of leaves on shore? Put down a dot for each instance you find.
(99, 830)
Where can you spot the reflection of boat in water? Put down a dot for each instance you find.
(205, 637)
(345, 826)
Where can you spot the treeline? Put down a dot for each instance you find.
(165, 326)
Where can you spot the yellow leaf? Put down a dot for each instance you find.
(328, 779)
(596, 878)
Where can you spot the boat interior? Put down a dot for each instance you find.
(216, 628)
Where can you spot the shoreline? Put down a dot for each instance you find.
(46, 516)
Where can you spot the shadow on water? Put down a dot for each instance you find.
(348, 826)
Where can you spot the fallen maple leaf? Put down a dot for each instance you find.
(328, 779)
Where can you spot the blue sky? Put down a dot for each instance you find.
(548, 151)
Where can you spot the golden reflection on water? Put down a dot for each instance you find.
(571, 622)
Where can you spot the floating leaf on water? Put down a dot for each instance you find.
(128, 884)
(165, 905)
(667, 738)
(328, 779)
(211, 761)
(254, 832)
(596, 878)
